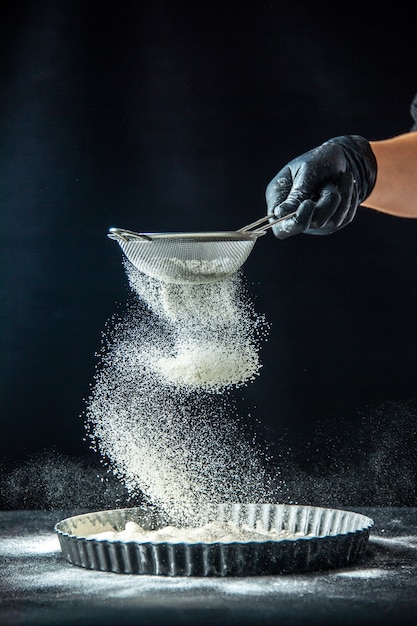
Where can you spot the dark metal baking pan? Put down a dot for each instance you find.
(326, 538)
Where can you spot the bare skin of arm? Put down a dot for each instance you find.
(395, 190)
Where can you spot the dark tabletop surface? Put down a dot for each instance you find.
(39, 587)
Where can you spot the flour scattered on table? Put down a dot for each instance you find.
(364, 573)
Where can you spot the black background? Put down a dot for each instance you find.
(174, 116)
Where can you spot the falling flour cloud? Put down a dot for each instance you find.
(213, 327)
(160, 412)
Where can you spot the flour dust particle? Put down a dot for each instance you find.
(160, 412)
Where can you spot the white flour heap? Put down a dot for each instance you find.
(212, 532)
(160, 412)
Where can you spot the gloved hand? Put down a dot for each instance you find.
(324, 186)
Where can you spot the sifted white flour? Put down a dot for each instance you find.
(219, 532)
(160, 413)
(215, 332)
(212, 366)
(216, 268)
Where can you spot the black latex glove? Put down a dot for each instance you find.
(324, 186)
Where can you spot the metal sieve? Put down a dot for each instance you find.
(191, 257)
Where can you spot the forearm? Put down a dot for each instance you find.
(395, 190)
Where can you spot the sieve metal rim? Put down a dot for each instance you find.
(128, 235)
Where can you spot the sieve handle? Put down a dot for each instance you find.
(262, 220)
(126, 235)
